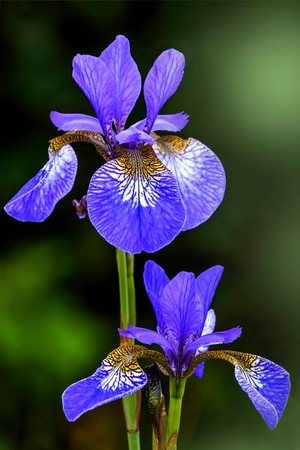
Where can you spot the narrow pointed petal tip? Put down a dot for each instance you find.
(117, 377)
(267, 385)
(35, 201)
(162, 82)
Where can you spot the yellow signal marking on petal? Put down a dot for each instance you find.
(141, 162)
(246, 361)
(171, 144)
(91, 137)
(124, 358)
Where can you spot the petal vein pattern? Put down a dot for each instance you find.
(126, 75)
(267, 386)
(134, 202)
(36, 200)
(118, 376)
(199, 173)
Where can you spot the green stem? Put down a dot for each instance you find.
(177, 388)
(132, 403)
(123, 288)
(131, 289)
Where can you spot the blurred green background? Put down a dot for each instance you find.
(58, 282)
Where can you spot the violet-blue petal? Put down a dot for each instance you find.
(170, 122)
(96, 80)
(147, 336)
(161, 82)
(206, 284)
(36, 200)
(135, 135)
(134, 203)
(208, 328)
(70, 122)
(155, 280)
(181, 308)
(267, 385)
(127, 78)
(167, 122)
(199, 173)
(218, 337)
(114, 379)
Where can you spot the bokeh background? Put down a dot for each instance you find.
(58, 280)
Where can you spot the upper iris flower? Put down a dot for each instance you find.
(150, 187)
(185, 330)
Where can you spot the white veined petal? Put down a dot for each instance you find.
(199, 173)
(134, 202)
(35, 201)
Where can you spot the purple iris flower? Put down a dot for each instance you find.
(185, 330)
(150, 187)
(185, 322)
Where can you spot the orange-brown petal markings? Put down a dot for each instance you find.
(90, 137)
(141, 162)
(170, 144)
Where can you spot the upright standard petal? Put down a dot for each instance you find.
(199, 173)
(118, 376)
(155, 280)
(267, 385)
(134, 203)
(161, 82)
(181, 308)
(206, 284)
(97, 82)
(126, 76)
(36, 200)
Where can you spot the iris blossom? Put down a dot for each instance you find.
(185, 330)
(149, 188)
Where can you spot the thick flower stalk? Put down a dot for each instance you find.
(149, 188)
(185, 330)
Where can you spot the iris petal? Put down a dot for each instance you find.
(70, 122)
(199, 173)
(207, 283)
(219, 337)
(170, 122)
(155, 280)
(267, 385)
(96, 80)
(180, 307)
(35, 201)
(208, 328)
(127, 78)
(118, 376)
(135, 135)
(161, 82)
(134, 203)
(147, 336)
(167, 122)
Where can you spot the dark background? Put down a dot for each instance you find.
(59, 307)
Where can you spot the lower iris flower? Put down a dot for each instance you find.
(149, 187)
(185, 330)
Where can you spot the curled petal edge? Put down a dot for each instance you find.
(266, 383)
